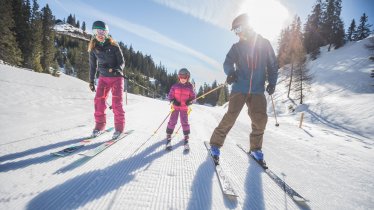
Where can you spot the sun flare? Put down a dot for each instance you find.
(267, 17)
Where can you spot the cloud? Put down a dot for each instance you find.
(145, 33)
(217, 12)
(221, 13)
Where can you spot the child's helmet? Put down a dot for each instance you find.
(184, 71)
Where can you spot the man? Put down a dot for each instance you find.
(247, 65)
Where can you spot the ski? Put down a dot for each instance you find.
(73, 148)
(281, 183)
(225, 184)
(105, 145)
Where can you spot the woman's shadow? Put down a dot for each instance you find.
(80, 190)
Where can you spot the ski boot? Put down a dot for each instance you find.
(259, 157)
(96, 133)
(116, 134)
(214, 151)
(186, 145)
(168, 142)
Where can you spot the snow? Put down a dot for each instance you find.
(329, 160)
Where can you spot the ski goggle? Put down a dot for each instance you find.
(238, 29)
(183, 76)
(100, 32)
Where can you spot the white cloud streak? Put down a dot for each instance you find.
(145, 33)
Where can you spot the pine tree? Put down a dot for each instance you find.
(283, 49)
(36, 37)
(200, 93)
(221, 97)
(70, 20)
(9, 52)
(333, 27)
(302, 80)
(48, 38)
(21, 16)
(84, 26)
(363, 29)
(351, 30)
(312, 31)
(338, 26)
(296, 52)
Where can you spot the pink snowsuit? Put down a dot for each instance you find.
(181, 93)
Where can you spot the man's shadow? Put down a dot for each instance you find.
(201, 197)
(253, 187)
(82, 189)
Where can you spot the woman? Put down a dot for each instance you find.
(106, 58)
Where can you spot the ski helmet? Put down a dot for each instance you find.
(241, 20)
(100, 25)
(184, 73)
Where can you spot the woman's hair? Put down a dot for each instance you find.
(94, 41)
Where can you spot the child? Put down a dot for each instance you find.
(106, 57)
(181, 95)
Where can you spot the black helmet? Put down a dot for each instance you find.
(241, 20)
(183, 72)
(100, 25)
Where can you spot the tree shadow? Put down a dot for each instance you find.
(82, 189)
(38, 160)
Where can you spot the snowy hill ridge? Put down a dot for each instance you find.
(342, 91)
(67, 29)
(40, 114)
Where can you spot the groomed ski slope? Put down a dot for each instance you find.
(40, 114)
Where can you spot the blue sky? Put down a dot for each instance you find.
(196, 33)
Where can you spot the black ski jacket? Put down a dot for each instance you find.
(107, 59)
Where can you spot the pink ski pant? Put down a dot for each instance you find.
(106, 84)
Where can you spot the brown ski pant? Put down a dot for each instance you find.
(256, 104)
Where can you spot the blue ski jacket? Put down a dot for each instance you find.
(253, 61)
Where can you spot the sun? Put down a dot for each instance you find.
(267, 17)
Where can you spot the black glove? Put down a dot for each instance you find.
(175, 102)
(189, 102)
(270, 89)
(231, 78)
(92, 86)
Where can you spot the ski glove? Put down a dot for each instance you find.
(189, 102)
(270, 89)
(175, 102)
(231, 78)
(92, 86)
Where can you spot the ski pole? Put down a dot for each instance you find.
(275, 115)
(220, 86)
(171, 110)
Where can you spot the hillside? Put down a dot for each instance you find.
(328, 161)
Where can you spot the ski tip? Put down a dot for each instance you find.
(57, 154)
(232, 196)
(299, 199)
